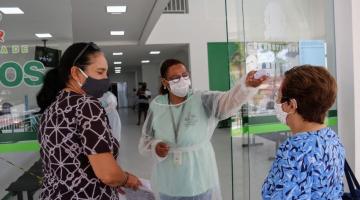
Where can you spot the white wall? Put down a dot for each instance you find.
(282, 20)
(265, 20)
(183, 56)
(205, 23)
(276, 20)
(151, 71)
(151, 75)
(347, 32)
(356, 53)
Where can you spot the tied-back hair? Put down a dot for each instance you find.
(55, 80)
(165, 66)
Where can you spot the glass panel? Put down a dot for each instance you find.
(274, 36)
(240, 139)
(22, 68)
(68, 21)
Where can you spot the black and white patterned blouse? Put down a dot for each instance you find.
(73, 127)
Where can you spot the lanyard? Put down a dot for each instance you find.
(176, 127)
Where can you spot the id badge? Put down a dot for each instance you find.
(177, 157)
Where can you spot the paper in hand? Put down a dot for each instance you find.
(143, 193)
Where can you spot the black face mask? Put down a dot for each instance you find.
(95, 87)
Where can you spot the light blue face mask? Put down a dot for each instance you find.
(104, 104)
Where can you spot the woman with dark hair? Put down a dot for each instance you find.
(78, 152)
(309, 164)
(178, 130)
(144, 95)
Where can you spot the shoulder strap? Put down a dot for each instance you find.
(351, 179)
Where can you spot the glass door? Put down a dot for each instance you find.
(274, 35)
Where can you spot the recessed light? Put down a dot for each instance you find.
(117, 72)
(154, 52)
(115, 9)
(11, 10)
(117, 63)
(145, 61)
(117, 68)
(117, 53)
(117, 32)
(43, 35)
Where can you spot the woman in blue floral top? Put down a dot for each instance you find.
(309, 164)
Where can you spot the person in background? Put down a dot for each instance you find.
(77, 149)
(144, 95)
(309, 164)
(178, 130)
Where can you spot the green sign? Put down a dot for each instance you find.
(12, 74)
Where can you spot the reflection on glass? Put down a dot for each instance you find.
(271, 35)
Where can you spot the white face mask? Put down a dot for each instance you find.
(180, 88)
(280, 114)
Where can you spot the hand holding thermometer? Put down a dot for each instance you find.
(261, 73)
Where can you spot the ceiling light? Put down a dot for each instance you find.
(145, 61)
(43, 35)
(11, 10)
(117, 68)
(117, 72)
(115, 9)
(117, 32)
(154, 52)
(117, 53)
(117, 63)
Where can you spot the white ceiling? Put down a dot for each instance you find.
(49, 16)
(91, 22)
(133, 54)
(87, 20)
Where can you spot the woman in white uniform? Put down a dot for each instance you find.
(178, 130)
(109, 102)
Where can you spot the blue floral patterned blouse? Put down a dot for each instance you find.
(308, 165)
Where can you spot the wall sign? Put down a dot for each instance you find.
(2, 36)
(11, 49)
(12, 74)
(14, 49)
